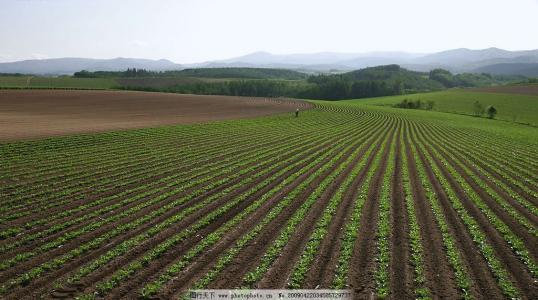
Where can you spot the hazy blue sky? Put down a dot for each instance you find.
(198, 30)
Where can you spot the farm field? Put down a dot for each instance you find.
(65, 82)
(385, 202)
(57, 82)
(41, 113)
(513, 103)
(530, 89)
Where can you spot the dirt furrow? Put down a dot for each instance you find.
(491, 172)
(277, 275)
(250, 256)
(485, 285)
(161, 237)
(93, 254)
(523, 280)
(439, 274)
(452, 155)
(401, 279)
(33, 244)
(361, 275)
(93, 197)
(530, 240)
(130, 288)
(245, 260)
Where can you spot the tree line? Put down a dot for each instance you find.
(369, 82)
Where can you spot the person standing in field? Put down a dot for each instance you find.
(297, 113)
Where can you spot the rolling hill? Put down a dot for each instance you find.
(67, 66)
(456, 61)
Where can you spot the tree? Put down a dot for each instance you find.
(478, 109)
(430, 104)
(491, 111)
(444, 77)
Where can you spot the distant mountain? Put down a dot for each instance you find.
(322, 61)
(322, 58)
(463, 56)
(61, 66)
(456, 60)
(466, 60)
(525, 69)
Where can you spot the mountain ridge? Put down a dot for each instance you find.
(458, 60)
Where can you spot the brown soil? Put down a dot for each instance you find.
(514, 225)
(130, 289)
(484, 284)
(203, 264)
(84, 238)
(436, 266)
(92, 197)
(510, 89)
(324, 266)
(361, 276)
(248, 258)
(401, 278)
(45, 280)
(278, 275)
(363, 133)
(522, 279)
(26, 114)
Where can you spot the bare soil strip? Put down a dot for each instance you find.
(131, 288)
(162, 236)
(361, 276)
(324, 265)
(523, 279)
(30, 245)
(249, 256)
(28, 114)
(202, 265)
(401, 280)
(279, 272)
(497, 176)
(485, 285)
(439, 274)
(530, 240)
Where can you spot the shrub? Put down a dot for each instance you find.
(491, 111)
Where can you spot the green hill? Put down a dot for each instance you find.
(394, 75)
(243, 73)
(510, 107)
(229, 73)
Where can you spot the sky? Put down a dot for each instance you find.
(187, 31)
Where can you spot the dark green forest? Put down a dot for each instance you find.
(240, 73)
(369, 82)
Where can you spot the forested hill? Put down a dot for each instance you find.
(369, 82)
(395, 75)
(394, 80)
(247, 73)
(374, 81)
(237, 73)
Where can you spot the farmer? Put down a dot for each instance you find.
(297, 113)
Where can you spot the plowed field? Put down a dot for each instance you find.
(41, 113)
(385, 202)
